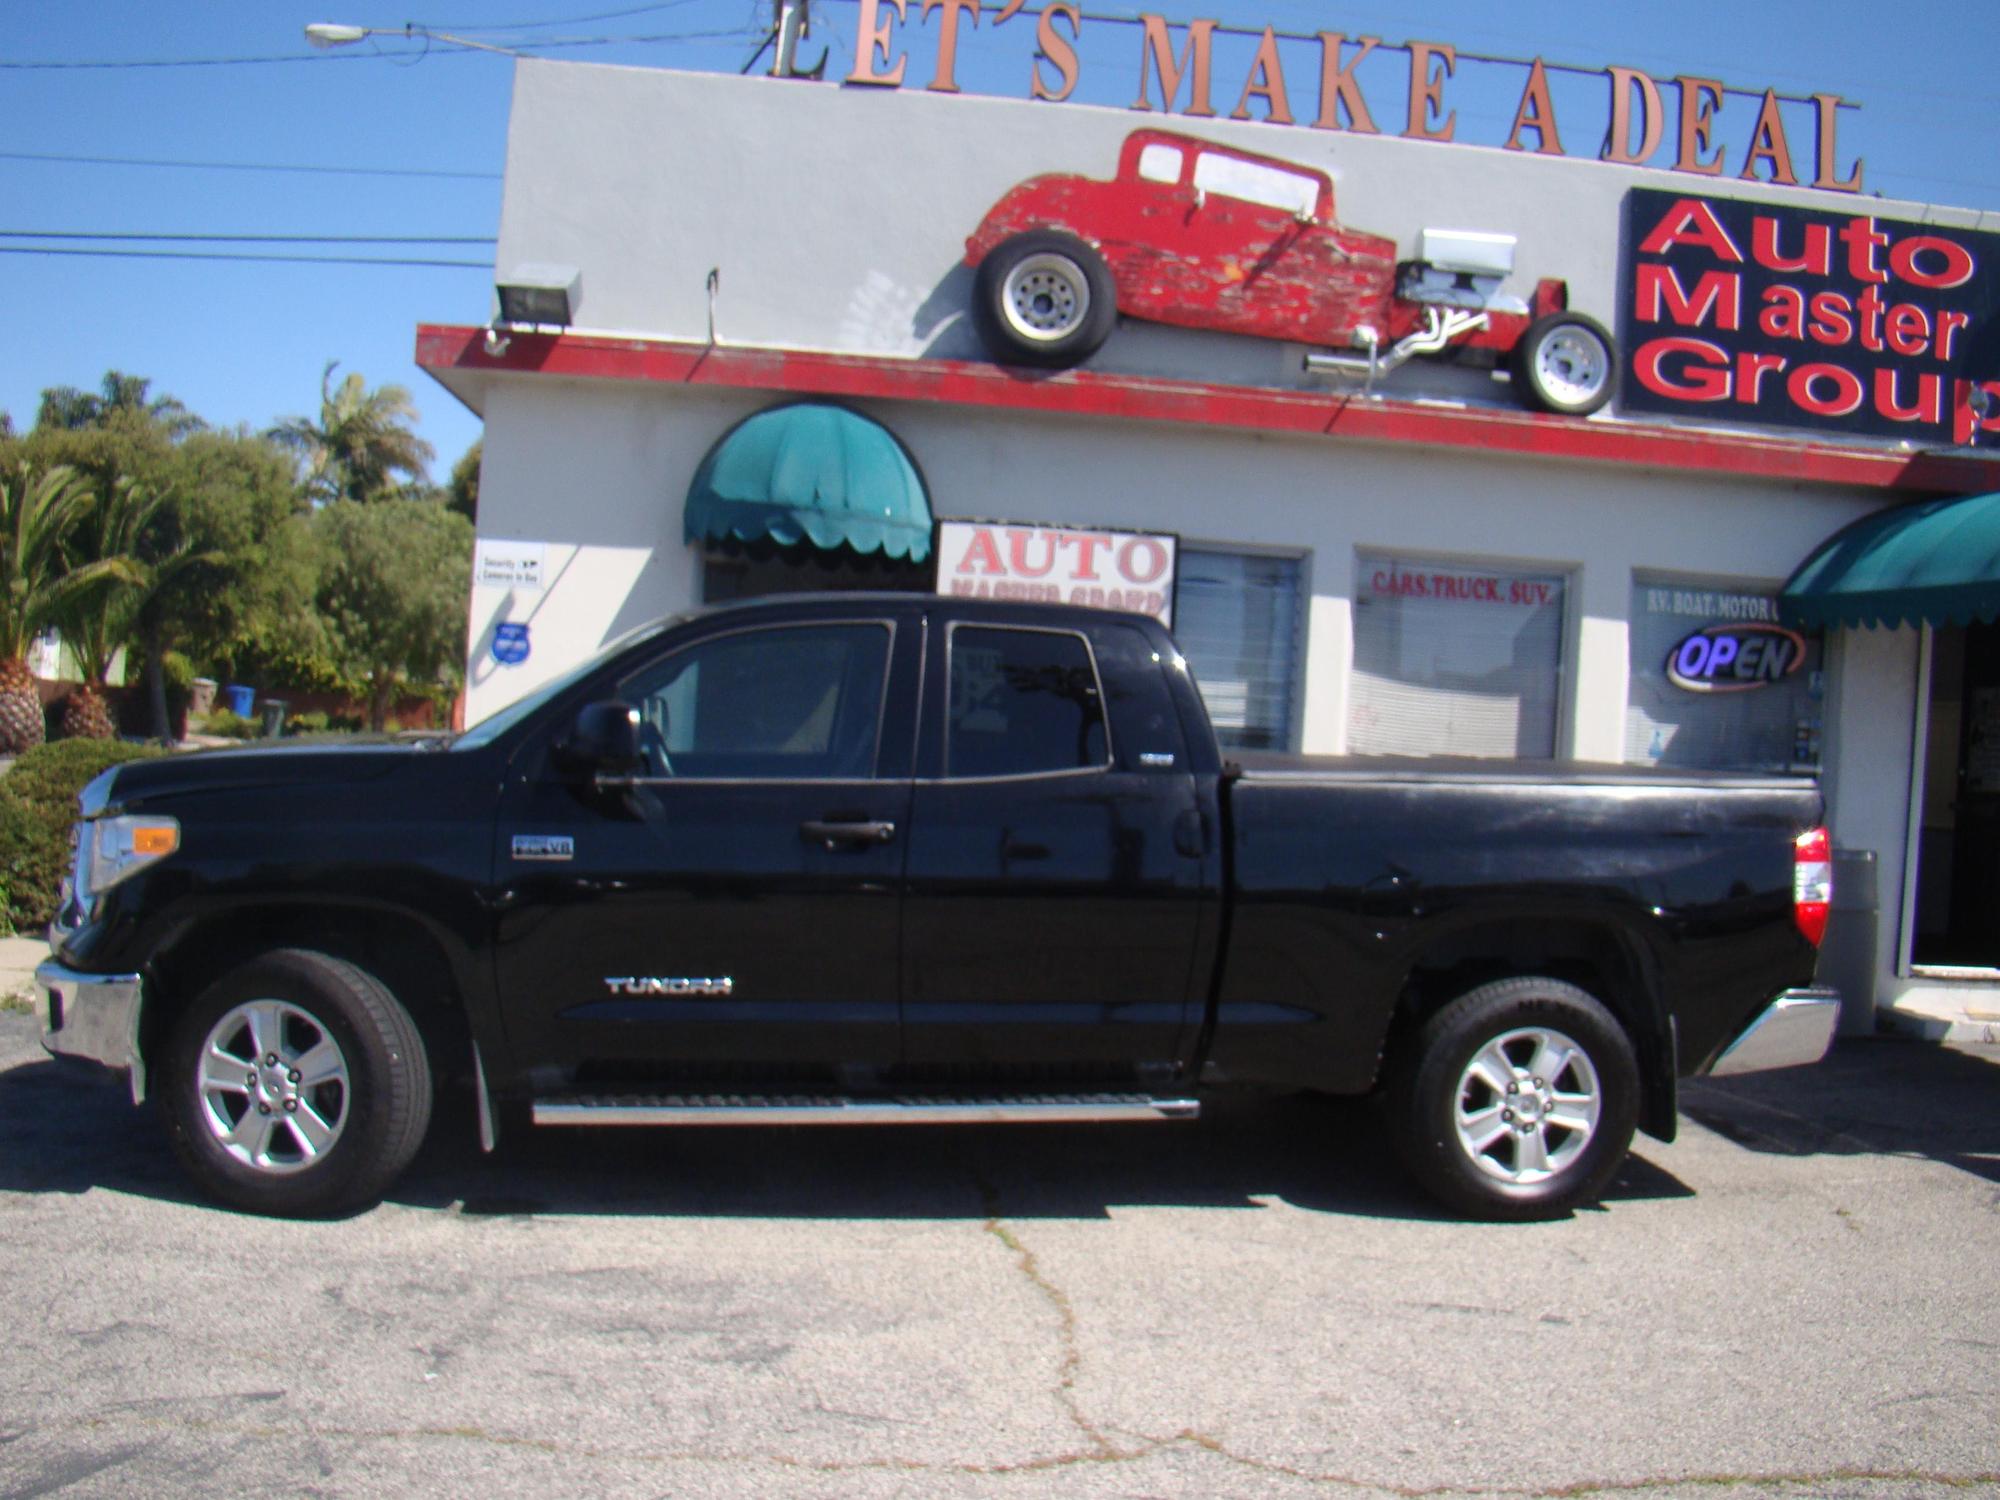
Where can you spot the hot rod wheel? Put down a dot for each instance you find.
(1564, 364)
(1517, 1101)
(1044, 298)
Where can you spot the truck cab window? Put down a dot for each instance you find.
(1023, 702)
(790, 703)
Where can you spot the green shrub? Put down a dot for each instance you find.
(37, 807)
(226, 725)
(312, 721)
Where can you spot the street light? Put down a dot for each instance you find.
(334, 34)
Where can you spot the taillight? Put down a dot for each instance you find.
(1812, 883)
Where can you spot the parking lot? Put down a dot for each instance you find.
(1798, 1297)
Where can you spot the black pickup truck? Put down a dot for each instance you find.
(864, 859)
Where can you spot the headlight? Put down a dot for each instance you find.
(110, 849)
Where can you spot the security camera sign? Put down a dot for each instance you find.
(1123, 570)
(514, 565)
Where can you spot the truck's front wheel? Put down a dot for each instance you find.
(1518, 1101)
(295, 1085)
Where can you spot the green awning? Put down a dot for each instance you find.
(812, 472)
(1935, 563)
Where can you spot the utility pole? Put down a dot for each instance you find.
(791, 20)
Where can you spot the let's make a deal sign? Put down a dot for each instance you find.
(1125, 570)
(1758, 312)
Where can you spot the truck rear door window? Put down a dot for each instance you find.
(1023, 703)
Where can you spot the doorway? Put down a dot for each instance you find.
(1958, 844)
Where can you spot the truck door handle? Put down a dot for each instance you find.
(835, 834)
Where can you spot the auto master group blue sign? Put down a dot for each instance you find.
(1754, 312)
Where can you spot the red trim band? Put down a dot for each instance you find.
(447, 348)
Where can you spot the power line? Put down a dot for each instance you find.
(256, 239)
(241, 255)
(428, 44)
(603, 15)
(241, 166)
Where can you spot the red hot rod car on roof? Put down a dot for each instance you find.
(1206, 236)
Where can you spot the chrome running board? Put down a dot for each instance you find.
(731, 1109)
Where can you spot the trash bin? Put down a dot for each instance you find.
(242, 700)
(1847, 956)
(274, 718)
(201, 695)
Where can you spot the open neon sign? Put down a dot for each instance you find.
(1735, 658)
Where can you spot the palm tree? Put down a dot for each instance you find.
(38, 510)
(119, 396)
(96, 622)
(361, 441)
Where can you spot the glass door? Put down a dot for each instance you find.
(1958, 845)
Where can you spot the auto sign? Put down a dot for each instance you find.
(1735, 658)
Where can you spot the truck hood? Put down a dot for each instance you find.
(201, 772)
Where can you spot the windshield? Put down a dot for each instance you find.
(486, 731)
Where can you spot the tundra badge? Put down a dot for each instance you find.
(636, 985)
(544, 846)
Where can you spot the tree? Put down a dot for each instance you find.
(120, 397)
(95, 623)
(393, 594)
(360, 443)
(39, 507)
(462, 494)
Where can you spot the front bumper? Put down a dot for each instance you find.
(95, 1017)
(1793, 1030)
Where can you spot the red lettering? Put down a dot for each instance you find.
(1718, 293)
(1870, 306)
(1863, 239)
(1086, 565)
(1784, 314)
(1950, 325)
(1909, 329)
(1750, 372)
(1958, 265)
(1848, 391)
(1017, 553)
(1930, 397)
(982, 554)
(1703, 377)
(1832, 322)
(1815, 249)
(1691, 222)
(1155, 564)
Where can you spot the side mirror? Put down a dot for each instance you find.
(605, 740)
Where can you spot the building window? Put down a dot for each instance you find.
(1236, 616)
(1717, 682)
(1455, 659)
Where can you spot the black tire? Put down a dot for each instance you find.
(1044, 298)
(1546, 1156)
(1566, 364)
(363, 1090)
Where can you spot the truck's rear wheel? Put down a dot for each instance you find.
(295, 1085)
(1518, 1100)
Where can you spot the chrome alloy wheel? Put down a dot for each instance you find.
(1044, 298)
(274, 1086)
(1572, 365)
(1528, 1104)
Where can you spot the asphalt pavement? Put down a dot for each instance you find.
(1796, 1298)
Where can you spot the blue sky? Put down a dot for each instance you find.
(217, 119)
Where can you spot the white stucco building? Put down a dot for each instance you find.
(1417, 565)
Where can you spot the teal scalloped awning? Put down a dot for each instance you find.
(812, 473)
(1935, 563)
